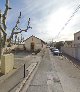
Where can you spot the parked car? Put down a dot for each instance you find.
(47, 46)
(56, 52)
(51, 48)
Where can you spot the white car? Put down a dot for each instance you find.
(56, 52)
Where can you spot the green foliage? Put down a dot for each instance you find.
(58, 45)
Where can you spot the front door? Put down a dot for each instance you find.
(32, 46)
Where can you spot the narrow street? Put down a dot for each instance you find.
(46, 79)
(55, 74)
(39, 45)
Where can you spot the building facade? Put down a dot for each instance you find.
(77, 39)
(69, 44)
(33, 44)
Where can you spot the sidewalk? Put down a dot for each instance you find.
(10, 80)
(34, 63)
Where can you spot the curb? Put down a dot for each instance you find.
(26, 82)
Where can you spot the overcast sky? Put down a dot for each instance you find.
(47, 18)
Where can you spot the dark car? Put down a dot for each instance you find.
(56, 52)
(51, 48)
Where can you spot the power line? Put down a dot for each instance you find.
(70, 18)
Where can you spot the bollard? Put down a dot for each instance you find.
(24, 71)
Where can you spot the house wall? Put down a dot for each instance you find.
(44, 46)
(78, 53)
(37, 43)
(69, 45)
(73, 51)
(77, 38)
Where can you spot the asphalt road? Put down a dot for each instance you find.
(46, 78)
(69, 74)
(55, 74)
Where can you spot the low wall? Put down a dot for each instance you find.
(78, 53)
(8, 82)
(72, 51)
(7, 63)
(20, 47)
(8, 49)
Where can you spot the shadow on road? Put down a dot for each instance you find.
(75, 61)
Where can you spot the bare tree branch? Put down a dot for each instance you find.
(16, 27)
(3, 30)
(4, 16)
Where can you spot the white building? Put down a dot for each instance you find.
(77, 39)
(33, 44)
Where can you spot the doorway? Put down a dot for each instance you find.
(32, 46)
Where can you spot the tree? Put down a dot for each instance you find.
(59, 44)
(3, 27)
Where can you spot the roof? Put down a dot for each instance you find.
(77, 32)
(37, 38)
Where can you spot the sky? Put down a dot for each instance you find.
(47, 18)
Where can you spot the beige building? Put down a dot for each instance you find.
(73, 48)
(77, 39)
(33, 44)
(69, 44)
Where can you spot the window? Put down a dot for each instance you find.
(78, 37)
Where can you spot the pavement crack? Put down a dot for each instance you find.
(74, 77)
(38, 85)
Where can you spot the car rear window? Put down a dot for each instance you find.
(55, 50)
